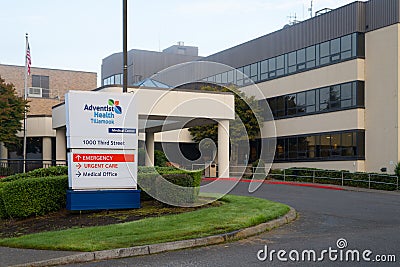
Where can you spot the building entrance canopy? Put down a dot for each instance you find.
(162, 110)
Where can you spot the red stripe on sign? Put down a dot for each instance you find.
(103, 158)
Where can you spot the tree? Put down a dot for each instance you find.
(247, 112)
(12, 108)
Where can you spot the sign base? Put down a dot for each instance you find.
(102, 199)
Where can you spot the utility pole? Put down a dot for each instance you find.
(125, 48)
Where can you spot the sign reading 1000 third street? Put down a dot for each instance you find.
(102, 137)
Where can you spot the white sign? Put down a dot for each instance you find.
(102, 135)
(101, 120)
(100, 169)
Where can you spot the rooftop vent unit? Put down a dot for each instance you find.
(323, 11)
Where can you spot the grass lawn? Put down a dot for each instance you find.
(236, 212)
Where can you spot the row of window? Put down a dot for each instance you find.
(330, 52)
(348, 145)
(115, 79)
(325, 99)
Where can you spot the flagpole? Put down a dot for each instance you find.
(25, 97)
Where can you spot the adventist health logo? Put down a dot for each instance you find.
(104, 114)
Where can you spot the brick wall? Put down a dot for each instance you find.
(60, 81)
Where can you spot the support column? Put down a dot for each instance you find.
(61, 146)
(46, 151)
(3, 151)
(223, 148)
(149, 158)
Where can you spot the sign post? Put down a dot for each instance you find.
(102, 143)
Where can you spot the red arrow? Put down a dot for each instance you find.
(79, 166)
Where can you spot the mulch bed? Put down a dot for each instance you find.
(66, 219)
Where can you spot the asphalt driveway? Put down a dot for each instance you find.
(363, 220)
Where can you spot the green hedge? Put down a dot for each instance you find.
(3, 213)
(38, 173)
(358, 179)
(161, 170)
(33, 196)
(40, 191)
(151, 182)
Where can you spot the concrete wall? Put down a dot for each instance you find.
(39, 127)
(381, 98)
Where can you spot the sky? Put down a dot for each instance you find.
(78, 34)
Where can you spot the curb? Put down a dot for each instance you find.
(169, 246)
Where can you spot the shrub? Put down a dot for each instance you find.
(151, 182)
(358, 179)
(397, 169)
(160, 159)
(38, 173)
(160, 170)
(3, 213)
(34, 196)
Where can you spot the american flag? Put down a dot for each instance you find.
(28, 60)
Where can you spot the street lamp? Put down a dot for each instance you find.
(125, 46)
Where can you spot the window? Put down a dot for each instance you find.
(346, 145)
(280, 106)
(230, 77)
(292, 148)
(324, 53)
(301, 102)
(311, 147)
(329, 52)
(254, 72)
(302, 147)
(264, 70)
(272, 67)
(43, 82)
(310, 57)
(280, 149)
(301, 59)
(280, 65)
(292, 62)
(336, 148)
(310, 101)
(334, 97)
(218, 78)
(345, 47)
(115, 79)
(246, 70)
(346, 95)
(239, 77)
(335, 49)
(291, 104)
(326, 99)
